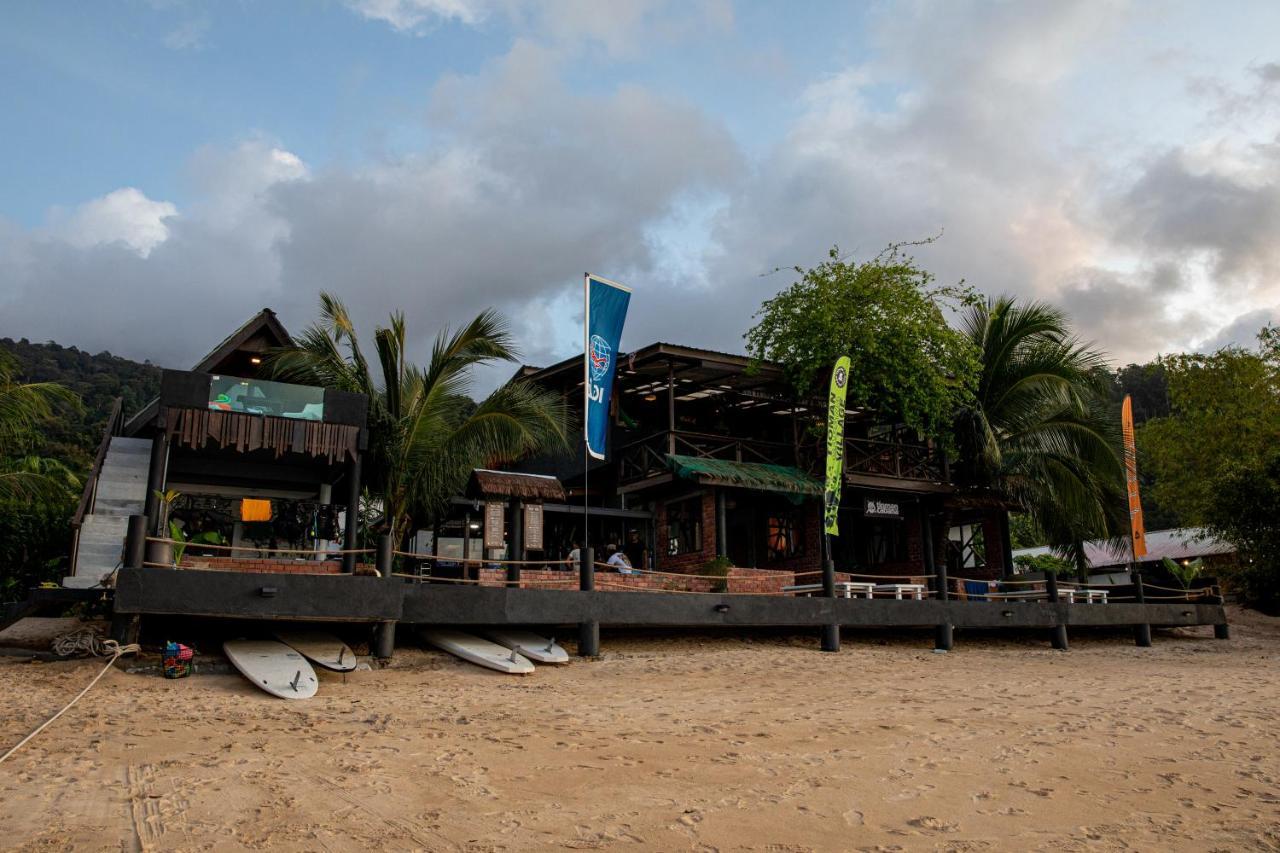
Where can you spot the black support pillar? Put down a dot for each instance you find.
(351, 533)
(155, 480)
(722, 530)
(515, 542)
(1141, 633)
(1058, 633)
(1006, 546)
(944, 633)
(589, 631)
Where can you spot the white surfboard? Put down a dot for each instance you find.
(320, 648)
(273, 667)
(475, 650)
(535, 647)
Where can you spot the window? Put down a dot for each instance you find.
(684, 526)
(965, 548)
(884, 542)
(782, 536)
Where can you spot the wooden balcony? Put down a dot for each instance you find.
(646, 458)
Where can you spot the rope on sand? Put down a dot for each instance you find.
(108, 647)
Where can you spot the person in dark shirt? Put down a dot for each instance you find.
(637, 554)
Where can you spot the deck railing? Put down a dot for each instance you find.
(647, 457)
(114, 427)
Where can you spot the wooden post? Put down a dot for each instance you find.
(515, 542)
(944, 633)
(385, 562)
(384, 640)
(155, 480)
(671, 407)
(1222, 631)
(351, 534)
(135, 541)
(1058, 633)
(831, 630)
(589, 631)
(1006, 546)
(1141, 633)
(722, 533)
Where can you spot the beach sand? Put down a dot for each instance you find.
(674, 742)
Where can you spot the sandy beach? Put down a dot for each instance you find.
(673, 742)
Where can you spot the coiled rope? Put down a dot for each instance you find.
(104, 647)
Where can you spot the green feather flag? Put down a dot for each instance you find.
(835, 444)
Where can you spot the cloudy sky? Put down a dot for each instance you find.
(169, 167)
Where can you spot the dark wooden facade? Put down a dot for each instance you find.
(724, 459)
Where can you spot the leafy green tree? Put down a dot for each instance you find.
(1225, 412)
(888, 316)
(1047, 563)
(1041, 429)
(1242, 508)
(426, 433)
(25, 476)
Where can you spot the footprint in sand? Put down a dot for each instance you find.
(933, 824)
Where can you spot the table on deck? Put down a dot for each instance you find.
(901, 590)
(1087, 596)
(844, 589)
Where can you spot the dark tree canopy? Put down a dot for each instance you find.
(889, 317)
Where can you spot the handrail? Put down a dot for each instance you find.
(115, 421)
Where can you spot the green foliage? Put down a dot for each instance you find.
(1047, 563)
(1242, 508)
(1183, 573)
(181, 540)
(426, 433)
(718, 567)
(1041, 429)
(1023, 532)
(1225, 413)
(887, 315)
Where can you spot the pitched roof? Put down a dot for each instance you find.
(264, 322)
(1182, 543)
(508, 484)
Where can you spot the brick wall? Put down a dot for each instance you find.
(738, 580)
(238, 564)
(688, 562)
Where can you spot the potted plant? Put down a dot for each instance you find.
(161, 553)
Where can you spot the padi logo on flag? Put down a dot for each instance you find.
(840, 376)
(601, 355)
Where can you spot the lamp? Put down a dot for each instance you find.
(650, 397)
(253, 359)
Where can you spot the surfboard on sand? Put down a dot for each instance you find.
(535, 647)
(476, 650)
(320, 648)
(273, 667)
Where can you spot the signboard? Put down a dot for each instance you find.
(881, 508)
(495, 516)
(606, 309)
(533, 527)
(835, 446)
(1137, 530)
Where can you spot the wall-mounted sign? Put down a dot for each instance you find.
(495, 513)
(533, 527)
(880, 508)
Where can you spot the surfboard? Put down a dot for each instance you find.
(535, 647)
(476, 650)
(273, 667)
(320, 648)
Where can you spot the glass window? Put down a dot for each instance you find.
(782, 536)
(684, 526)
(965, 547)
(260, 397)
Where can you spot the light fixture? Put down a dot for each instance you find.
(475, 525)
(649, 398)
(253, 359)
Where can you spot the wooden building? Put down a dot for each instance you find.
(717, 456)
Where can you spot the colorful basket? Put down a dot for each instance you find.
(177, 660)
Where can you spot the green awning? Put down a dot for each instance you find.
(744, 475)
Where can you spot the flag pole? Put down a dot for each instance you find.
(586, 403)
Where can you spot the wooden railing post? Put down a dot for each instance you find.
(1058, 633)
(589, 631)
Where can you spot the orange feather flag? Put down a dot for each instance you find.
(1138, 533)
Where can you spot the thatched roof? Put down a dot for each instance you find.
(508, 484)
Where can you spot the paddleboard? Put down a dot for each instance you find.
(273, 667)
(535, 647)
(320, 648)
(476, 650)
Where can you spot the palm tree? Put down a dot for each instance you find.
(23, 406)
(1042, 430)
(426, 434)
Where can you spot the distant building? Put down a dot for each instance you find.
(1182, 543)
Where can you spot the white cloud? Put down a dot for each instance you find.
(413, 15)
(189, 35)
(124, 216)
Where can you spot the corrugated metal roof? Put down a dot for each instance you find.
(1182, 543)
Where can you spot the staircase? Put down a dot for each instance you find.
(120, 491)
